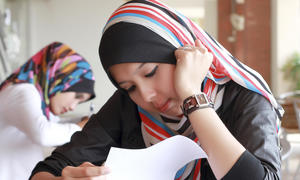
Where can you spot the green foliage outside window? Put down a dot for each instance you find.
(291, 70)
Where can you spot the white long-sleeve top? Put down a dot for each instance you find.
(24, 130)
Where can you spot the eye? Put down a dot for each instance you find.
(79, 96)
(131, 89)
(152, 72)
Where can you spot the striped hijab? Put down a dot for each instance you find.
(54, 69)
(150, 31)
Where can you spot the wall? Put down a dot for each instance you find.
(251, 45)
(2, 4)
(211, 17)
(204, 10)
(79, 24)
(285, 39)
(281, 29)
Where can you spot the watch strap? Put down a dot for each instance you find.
(194, 102)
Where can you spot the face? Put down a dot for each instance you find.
(149, 85)
(66, 101)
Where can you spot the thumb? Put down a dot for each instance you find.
(86, 164)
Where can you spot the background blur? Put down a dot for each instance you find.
(263, 34)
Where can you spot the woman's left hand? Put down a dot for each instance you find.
(193, 63)
(83, 121)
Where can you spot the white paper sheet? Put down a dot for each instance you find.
(158, 162)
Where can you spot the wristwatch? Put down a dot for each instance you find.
(194, 102)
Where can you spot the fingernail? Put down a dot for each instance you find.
(105, 170)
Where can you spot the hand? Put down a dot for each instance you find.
(85, 171)
(83, 121)
(193, 63)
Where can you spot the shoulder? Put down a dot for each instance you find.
(23, 88)
(238, 97)
(24, 92)
(118, 107)
(21, 98)
(242, 107)
(119, 114)
(245, 112)
(118, 101)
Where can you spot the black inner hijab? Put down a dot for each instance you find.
(127, 42)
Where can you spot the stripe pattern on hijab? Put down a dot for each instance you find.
(132, 32)
(178, 30)
(157, 128)
(52, 70)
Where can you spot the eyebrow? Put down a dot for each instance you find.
(138, 68)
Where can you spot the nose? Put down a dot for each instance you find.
(73, 106)
(147, 93)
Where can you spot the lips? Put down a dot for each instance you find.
(164, 107)
(64, 110)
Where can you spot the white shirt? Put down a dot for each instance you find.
(24, 130)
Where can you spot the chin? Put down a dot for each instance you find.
(56, 113)
(174, 113)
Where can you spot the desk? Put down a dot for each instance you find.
(289, 120)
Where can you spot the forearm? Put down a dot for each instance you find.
(222, 148)
(54, 134)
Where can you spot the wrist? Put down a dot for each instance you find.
(187, 94)
(195, 102)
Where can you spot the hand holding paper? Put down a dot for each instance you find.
(158, 162)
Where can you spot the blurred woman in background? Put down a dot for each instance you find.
(52, 82)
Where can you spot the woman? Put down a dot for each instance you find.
(49, 84)
(168, 73)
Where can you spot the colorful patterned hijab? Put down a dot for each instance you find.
(150, 31)
(54, 69)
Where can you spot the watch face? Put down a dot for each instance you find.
(194, 102)
(202, 99)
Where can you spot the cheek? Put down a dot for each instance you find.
(52, 103)
(165, 85)
(140, 102)
(135, 97)
(53, 107)
(55, 104)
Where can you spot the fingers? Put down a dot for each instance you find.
(186, 47)
(193, 63)
(184, 52)
(201, 46)
(198, 43)
(85, 118)
(84, 170)
(198, 46)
